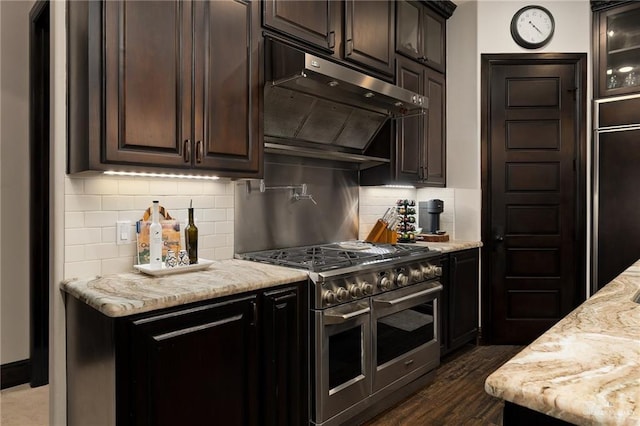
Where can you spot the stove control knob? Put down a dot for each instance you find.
(384, 283)
(428, 271)
(402, 279)
(329, 297)
(416, 275)
(437, 271)
(342, 294)
(367, 288)
(356, 291)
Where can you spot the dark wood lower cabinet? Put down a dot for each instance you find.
(460, 279)
(239, 360)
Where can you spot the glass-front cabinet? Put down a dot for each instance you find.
(618, 45)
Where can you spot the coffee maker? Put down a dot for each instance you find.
(429, 215)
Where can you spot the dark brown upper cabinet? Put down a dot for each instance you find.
(617, 47)
(165, 85)
(369, 34)
(421, 140)
(310, 21)
(421, 33)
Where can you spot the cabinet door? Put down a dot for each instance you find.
(369, 34)
(409, 38)
(308, 20)
(147, 82)
(227, 86)
(410, 130)
(463, 297)
(284, 358)
(197, 366)
(434, 161)
(619, 50)
(434, 40)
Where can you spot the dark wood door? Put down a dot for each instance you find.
(147, 82)
(369, 34)
(434, 153)
(197, 366)
(533, 191)
(284, 358)
(410, 130)
(227, 86)
(311, 21)
(463, 295)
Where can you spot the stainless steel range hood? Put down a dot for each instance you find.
(316, 108)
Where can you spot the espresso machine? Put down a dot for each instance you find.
(429, 216)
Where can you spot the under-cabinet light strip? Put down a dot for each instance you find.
(400, 186)
(159, 175)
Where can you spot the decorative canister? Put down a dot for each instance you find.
(171, 261)
(183, 258)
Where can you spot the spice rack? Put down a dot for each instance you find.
(407, 226)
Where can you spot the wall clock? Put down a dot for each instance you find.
(532, 27)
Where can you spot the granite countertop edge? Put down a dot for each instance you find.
(451, 246)
(586, 368)
(130, 293)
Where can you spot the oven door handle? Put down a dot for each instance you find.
(407, 297)
(335, 318)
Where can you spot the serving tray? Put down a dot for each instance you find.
(201, 265)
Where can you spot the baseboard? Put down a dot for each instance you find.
(15, 373)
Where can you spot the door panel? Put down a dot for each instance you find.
(147, 81)
(410, 130)
(532, 145)
(227, 86)
(369, 31)
(435, 145)
(308, 20)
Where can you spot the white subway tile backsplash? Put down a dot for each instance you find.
(74, 253)
(163, 187)
(101, 185)
(101, 218)
(133, 187)
(216, 215)
(223, 201)
(80, 203)
(83, 236)
(73, 220)
(82, 269)
(94, 204)
(101, 251)
(118, 202)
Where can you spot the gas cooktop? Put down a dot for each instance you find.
(324, 257)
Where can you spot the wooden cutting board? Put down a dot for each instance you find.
(434, 238)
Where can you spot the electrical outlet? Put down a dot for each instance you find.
(123, 232)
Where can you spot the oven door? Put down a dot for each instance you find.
(342, 356)
(405, 332)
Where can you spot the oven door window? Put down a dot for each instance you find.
(401, 332)
(345, 357)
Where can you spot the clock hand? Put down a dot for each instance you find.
(534, 26)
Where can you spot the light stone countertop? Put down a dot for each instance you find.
(131, 293)
(450, 246)
(586, 368)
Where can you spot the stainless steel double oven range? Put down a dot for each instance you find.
(373, 324)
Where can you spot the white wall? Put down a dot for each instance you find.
(483, 26)
(14, 192)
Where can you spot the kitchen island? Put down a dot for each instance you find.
(585, 369)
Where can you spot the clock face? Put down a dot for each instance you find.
(532, 27)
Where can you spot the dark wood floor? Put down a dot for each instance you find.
(457, 396)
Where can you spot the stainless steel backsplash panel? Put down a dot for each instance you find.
(271, 219)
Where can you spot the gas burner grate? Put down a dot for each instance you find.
(331, 256)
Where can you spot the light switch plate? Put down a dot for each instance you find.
(123, 232)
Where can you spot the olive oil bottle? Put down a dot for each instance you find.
(191, 238)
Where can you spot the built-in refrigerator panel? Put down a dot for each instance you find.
(616, 187)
